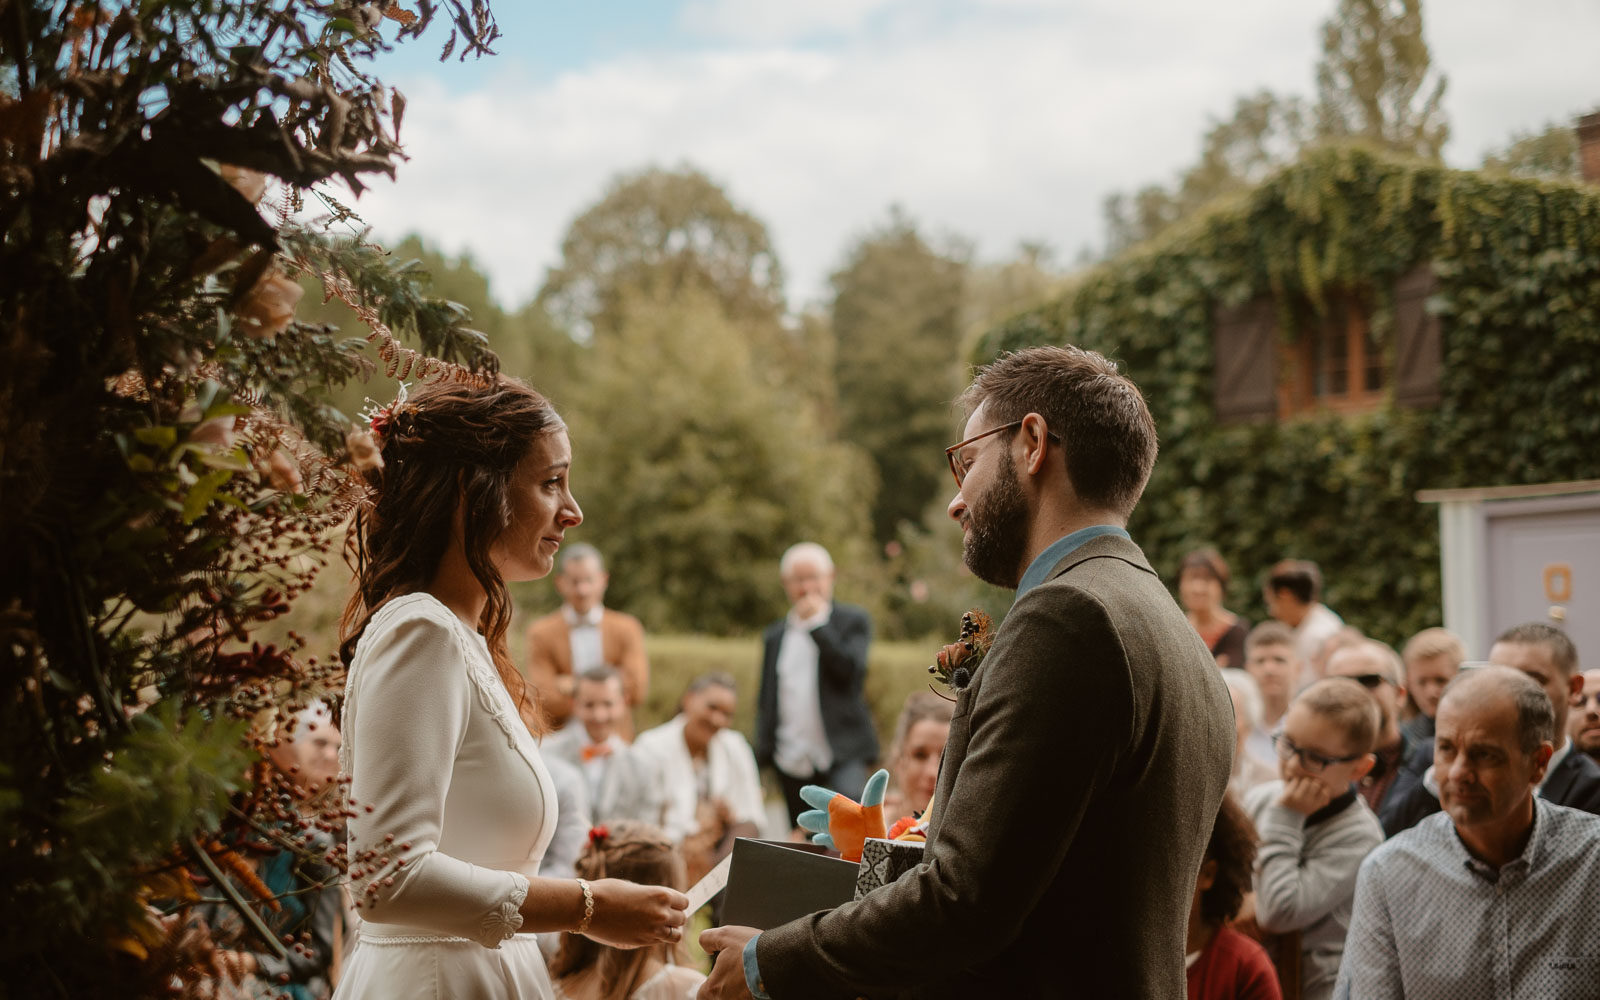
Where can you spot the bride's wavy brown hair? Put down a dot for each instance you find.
(449, 445)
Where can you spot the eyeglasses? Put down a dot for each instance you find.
(1369, 681)
(1313, 762)
(953, 453)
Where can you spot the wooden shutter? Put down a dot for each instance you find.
(1244, 348)
(1418, 347)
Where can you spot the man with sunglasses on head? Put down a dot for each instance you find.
(1397, 768)
(1089, 750)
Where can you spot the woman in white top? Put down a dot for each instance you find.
(584, 970)
(453, 807)
(697, 761)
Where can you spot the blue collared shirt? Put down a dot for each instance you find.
(1060, 549)
(1037, 571)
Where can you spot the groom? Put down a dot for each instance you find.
(1089, 751)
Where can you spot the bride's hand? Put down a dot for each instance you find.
(629, 915)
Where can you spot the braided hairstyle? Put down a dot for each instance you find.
(449, 445)
(636, 852)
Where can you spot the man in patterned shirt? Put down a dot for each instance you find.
(1493, 898)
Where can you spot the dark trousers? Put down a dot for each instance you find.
(847, 777)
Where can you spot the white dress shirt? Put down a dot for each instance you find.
(802, 748)
(583, 633)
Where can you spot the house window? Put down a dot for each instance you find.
(1334, 363)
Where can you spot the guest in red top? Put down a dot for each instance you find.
(1224, 964)
(1202, 584)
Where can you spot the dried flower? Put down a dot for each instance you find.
(956, 662)
(268, 308)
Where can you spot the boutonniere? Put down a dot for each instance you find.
(956, 662)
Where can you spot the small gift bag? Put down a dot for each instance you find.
(883, 861)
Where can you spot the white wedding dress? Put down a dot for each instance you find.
(439, 758)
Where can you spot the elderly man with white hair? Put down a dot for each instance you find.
(813, 725)
(1494, 897)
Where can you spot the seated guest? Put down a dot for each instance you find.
(1270, 660)
(588, 970)
(1314, 828)
(1432, 657)
(616, 783)
(1496, 895)
(1376, 667)
(1584, 727)
(705, 771)
(1248, 771)
(1202, 584)
(1548, 657)
(310, 910)
(914, 756)
(1224, 964)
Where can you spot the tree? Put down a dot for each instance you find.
(696, 467)
(661, 233)
(172, 461)
(897, 319)
(1373, 78)
(1551, 153)
(1265, 132)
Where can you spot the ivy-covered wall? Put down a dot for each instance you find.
(1518, 266)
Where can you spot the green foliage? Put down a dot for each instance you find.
(658, 233)
(696, 467)
(1518, 264)
(897, 317)
(1551, 154)
(1374, 68)
(168, 477)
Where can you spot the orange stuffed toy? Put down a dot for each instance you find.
(839, 822)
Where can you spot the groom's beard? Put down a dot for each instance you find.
(997, 530)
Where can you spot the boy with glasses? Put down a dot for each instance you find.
(1315, 830)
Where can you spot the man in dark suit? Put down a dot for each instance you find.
(1572, 778)
(813, 725)
(1089, 751)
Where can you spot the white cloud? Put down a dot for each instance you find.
(777, 20)
(1005, 123)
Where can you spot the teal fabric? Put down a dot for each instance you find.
(1058, 550)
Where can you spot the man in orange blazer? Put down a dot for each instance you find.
(584, 634)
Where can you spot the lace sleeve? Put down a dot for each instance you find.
(406, 713)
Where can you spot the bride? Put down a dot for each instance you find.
(453, 807)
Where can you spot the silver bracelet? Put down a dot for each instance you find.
(588, 907)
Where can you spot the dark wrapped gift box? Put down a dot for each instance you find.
(883, 861)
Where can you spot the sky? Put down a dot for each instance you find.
(999, 121)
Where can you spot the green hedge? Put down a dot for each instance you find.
(1518, 263)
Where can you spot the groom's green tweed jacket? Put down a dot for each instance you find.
(1086, 763)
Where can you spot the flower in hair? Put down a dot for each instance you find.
(379, 417)
(598, 835)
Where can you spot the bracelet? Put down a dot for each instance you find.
(588, 907)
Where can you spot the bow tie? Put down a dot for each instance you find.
(595, 751)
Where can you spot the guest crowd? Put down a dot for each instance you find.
(1398, 824)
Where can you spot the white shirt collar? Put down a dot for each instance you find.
(807, 624)
(574, 619)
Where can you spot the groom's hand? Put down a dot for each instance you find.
(726, 981)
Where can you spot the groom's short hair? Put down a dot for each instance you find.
(1106, 431)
